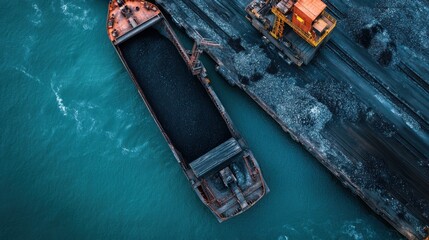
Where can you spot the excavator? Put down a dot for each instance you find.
(298, 28)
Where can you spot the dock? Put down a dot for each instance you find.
(367, 124)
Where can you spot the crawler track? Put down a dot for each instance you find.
(413, 76)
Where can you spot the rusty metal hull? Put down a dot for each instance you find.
(229, 199)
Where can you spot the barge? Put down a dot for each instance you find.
(214, 157)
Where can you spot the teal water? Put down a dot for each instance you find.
(81, 158)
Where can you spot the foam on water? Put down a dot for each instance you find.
(59, 100)
(36, 17)
(23, 70)
(78, 14)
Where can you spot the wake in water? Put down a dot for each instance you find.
(357, 229)
(24, 71)
(59, 100)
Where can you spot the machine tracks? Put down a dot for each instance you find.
(413, 75)
(377, 83)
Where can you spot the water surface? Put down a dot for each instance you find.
(81, 158)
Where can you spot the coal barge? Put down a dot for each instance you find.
(214, 157)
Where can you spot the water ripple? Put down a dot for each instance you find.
(24, 71)
(78, 15)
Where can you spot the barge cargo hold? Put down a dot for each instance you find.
(214, 157)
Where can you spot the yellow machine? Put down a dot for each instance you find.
(307, 18)
(312, 38)
(297, 27)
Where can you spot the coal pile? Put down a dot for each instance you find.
(179, 100)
